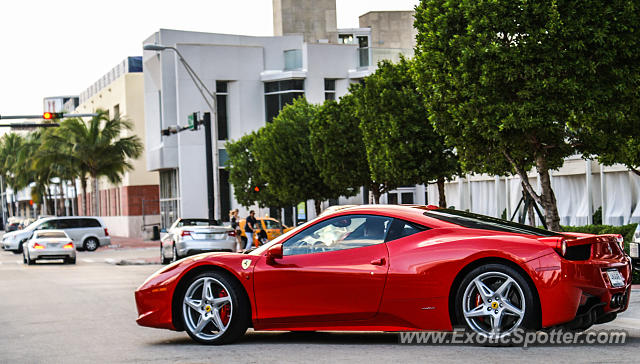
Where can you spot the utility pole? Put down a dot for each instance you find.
(206, 120)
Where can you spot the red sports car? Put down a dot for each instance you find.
(394, 268)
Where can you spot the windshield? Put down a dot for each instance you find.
(51, 234)
(475, 221)
(263, 248)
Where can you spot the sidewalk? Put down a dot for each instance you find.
(120, 242)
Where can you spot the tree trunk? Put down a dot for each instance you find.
(376, 195)
(97, 196)
(83, 185)
(548, 198)
(442, 199)
(318, 205)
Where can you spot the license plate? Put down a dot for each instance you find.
(210, 236)
(615, 278)
(633, 250)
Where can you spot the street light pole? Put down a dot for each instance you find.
(210, 98)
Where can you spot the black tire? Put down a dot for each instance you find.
(529, 316)
(163, 259)
(240, 314)
(174, 253)
(28, 259)
(24, 257)
(19, 250)
(91, 244)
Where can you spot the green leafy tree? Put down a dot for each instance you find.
(338, 148)
(402, 146)
(244, 174)
(285, 160)
(504, 79)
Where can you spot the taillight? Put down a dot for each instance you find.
(38, 246)
(185, 233)
(68, 246)
(106, 232)
(231, 233)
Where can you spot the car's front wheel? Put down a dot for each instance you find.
(163, 258)
(494, 300)
(214, 309)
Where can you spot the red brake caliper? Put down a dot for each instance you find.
(225, 311)
(478, 302)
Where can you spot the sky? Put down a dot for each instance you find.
(61, 47)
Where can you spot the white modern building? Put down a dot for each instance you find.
(254, 77)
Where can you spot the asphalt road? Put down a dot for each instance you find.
(54, 313)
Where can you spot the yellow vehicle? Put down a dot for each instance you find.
(271, 226)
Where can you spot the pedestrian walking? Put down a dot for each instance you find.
(234, 217)
(249, 229)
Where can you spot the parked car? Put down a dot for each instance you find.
(192, 236)
(272, 227)
(395, 268)
(12, 226)
(87, 232)
(49, 244)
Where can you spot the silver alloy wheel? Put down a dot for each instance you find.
(91, 244)
(493, 304)
(201, 308)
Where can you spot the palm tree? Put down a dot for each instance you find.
(95, 149)
(10, 145)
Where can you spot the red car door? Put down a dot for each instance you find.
(333, 271)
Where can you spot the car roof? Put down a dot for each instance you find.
(417, 210)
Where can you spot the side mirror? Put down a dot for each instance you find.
(275, 252)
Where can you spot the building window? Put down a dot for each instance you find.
(116, 110)
(363, 51)
(221, 104)
(292, 59)
(225, 194)
(329, 89)
(169, 197)
(278, 94)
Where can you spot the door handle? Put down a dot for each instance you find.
(380, 261)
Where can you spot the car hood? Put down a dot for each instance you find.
(17, 233)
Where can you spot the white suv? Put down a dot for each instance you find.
(87, 232)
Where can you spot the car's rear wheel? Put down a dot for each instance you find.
(163, 258)
(494, 300)
(26, 258)
(90, 244)
(70, 260)
(214, 309)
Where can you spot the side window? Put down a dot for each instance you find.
(400, 229)
(339, 233)
(88, 223)
(270, 224)
(47, 225)
(64, 224)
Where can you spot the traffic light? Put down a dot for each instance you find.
(256, 188)
(52, 115)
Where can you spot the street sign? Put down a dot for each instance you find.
(191, 122)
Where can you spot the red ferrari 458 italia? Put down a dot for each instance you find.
(394, 268)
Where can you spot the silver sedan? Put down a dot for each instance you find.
(49, 244)
(192, 236)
